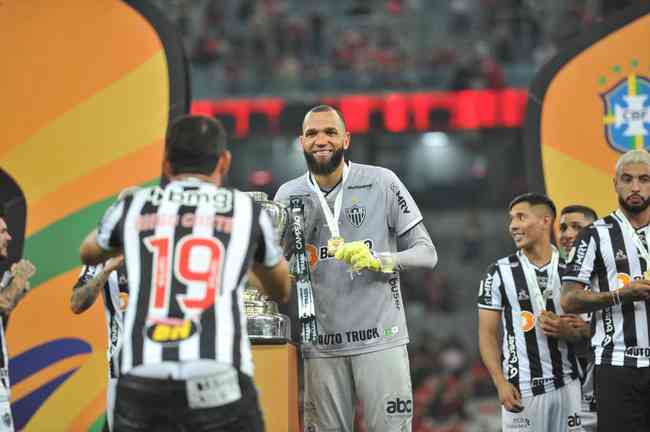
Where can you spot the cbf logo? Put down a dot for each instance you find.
(627, 111)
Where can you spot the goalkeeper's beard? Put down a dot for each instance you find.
(324, 168)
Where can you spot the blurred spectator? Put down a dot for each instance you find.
(183, 20)
(208, 49)
(465, 74)
(245, 10)
(316, 28)
(442, 383)
(360, 7)
(543, 53)
(503, 43)
(213, 15)
(453, 357)
(491, 71)
(373, 44)
(287, 73)
(395, 7)
(472, 243)
(460, 16)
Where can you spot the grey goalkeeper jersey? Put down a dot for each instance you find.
(364, 313)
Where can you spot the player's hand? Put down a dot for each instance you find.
(552, 325)
(574, 321)
(23, 269)
(113, 263)
(510, 397)
(357, 255)
(636, 290)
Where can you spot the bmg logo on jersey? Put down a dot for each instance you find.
(171, 331)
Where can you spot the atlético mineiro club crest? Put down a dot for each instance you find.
(627, 114)
(355, 215)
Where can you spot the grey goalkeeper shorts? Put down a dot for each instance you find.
(380, 380)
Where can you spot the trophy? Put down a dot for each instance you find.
(264, 322)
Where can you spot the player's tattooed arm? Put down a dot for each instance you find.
(18, 287)
(576, 299)
(85, 294)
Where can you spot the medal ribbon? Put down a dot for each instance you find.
(331, 219)
(531, 278)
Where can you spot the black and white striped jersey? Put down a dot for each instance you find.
(188, 247)
(605, 258)
(531, 361)
(115, 293)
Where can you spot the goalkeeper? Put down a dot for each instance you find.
(362, 227)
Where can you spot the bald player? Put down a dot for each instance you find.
(364, 228)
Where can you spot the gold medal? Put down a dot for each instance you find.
(333, 245)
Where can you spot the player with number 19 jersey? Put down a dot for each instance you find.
(361, 312)
(192, 243)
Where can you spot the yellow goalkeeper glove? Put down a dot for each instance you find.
(357, 254)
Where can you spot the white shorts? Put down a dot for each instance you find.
(111, 389)
(555, 411)
(6, 420)
(589, 421)
(380, 380)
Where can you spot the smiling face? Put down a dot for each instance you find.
(5, 238)
(529, 225)
(570, 225)
(323, 141)
(632, 185)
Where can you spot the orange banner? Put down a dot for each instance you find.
(90, 87)
(587, 106)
